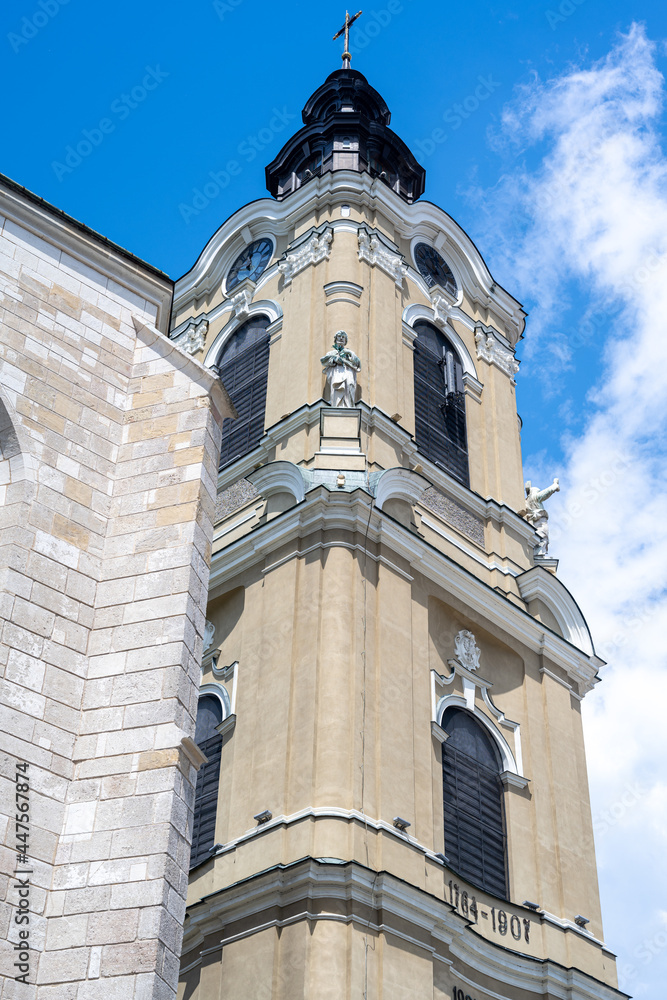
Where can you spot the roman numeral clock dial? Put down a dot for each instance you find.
(433, 268)
(250, 263)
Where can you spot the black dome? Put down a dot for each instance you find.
(346, 127)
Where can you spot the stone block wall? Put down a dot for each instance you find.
(109, 438)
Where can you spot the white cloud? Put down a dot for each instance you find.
(594, 212)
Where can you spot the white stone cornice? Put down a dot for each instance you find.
(427, 923)
(279, 477)
(316, 248)
(490, 349)
(538, 583)
(374, 252)
(401, 484)
(373, 419)
(323, 510)
(321, 196)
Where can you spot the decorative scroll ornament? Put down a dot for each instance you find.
(194, 336)
(536, 515)
(241, 304)
(442, 309)
(341, 367)
(491, 350)
(209, 632)
(317, 248)
(466, 650)
(373, 252)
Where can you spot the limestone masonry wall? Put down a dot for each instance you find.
(109, 438)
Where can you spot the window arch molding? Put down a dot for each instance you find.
(263, 307)
(415, 312)
(503, 747)
(219, 692)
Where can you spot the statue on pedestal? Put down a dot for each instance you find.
(341, 367)
(536, 515)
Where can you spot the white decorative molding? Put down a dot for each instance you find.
(422, 221)
(355, 514)
(417, 311)
(343, 287)
(193, 337)
(260, 307)
(511, 780)
(376, 254)
(399, 484)
(241, 304)
(439, 733)
(394, 909)
(508, 758)
(343, 291)
(490, 349)
(466, 650)
(540, 584)
(315, 249)
(220, 692)
(279, 477)
(508, 724)
(209, 632)
(229, 676)
(443, 307)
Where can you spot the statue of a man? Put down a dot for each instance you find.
(536, 515)
(341, 367)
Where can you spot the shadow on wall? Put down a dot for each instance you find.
(225, 613)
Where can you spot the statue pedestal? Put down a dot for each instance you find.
(340, 440)
(547, 563)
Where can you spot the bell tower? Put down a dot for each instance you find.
(395, 802)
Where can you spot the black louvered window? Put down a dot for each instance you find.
(473, 803)
(209, 741)
(244, 369)
(440, 413)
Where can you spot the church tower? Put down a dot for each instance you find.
(395, 799)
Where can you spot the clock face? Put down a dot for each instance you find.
(433, 269)
(250, 263)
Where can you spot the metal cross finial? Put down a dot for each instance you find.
(346, 28)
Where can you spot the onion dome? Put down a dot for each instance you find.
(346, 127)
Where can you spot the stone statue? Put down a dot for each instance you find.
(341, 367)
(466, 650)
(536, 515)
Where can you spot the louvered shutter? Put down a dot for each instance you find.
(473, 804)
(244, 370)
(440, 421)
(209, 715)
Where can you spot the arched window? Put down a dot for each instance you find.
(473, 803)
(244, 369)
(440, 413)
(209, 741)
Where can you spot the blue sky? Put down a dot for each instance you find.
(559, 175)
